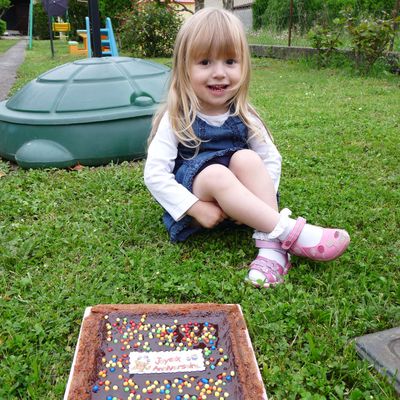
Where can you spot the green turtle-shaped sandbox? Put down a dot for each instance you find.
(89, 112)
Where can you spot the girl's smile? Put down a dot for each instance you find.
(215, 81)
(218, 90)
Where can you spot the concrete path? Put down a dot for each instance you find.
(9, 63)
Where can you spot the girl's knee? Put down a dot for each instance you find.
(243, 159)
(214, 174)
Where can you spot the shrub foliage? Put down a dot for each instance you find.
(112, 9)
(40, 22)
(274, 14)
(326, 39)
(149, 28)
(4, 6)
(3, 26)
(370, 37)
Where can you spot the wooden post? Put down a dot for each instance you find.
(290, 23)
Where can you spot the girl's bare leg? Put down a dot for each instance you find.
(246, 164)
(245, 192)
(234, 193)
(250, 170)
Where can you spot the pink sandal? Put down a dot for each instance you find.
(272, 270)
(333, 243)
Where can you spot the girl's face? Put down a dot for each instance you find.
(215, 81)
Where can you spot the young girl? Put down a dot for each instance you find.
(210, 157)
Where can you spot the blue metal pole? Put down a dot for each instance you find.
(30, 24)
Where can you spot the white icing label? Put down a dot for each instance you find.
(154, 362)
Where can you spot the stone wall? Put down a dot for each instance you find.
(282, 52)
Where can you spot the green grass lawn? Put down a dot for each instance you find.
(268, 37)
(71, 239)
(5, 44)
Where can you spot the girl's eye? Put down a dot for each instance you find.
(204, 62)
(231, 61)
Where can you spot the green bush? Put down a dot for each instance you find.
(149, 29)
(4, 6)
(113, 10)
(374, 7)
(259, 7)
(274, 14)
(370, 38)
(77, 11)
(305, 12)
(328, 10)
(326, 39)
(3, 26)
(40, 22)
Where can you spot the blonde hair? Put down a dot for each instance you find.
(208, 32)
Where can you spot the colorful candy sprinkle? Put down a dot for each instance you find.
(126, 334)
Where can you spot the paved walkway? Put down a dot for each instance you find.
(9, 63)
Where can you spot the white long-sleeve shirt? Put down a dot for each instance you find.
(160, 163)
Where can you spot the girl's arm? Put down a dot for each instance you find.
(158, 176)
(268, 152)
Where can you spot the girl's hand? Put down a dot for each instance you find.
(207, 213)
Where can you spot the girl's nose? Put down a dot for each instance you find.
(219, 70)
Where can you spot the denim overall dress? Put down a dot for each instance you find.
(217, 146)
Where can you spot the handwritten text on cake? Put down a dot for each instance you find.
(166, 361)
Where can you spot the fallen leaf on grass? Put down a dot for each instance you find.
(2, 174)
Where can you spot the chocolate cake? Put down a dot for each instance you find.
(157, 352)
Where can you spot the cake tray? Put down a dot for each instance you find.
(248, 376)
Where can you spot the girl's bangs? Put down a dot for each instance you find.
(217, 41)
